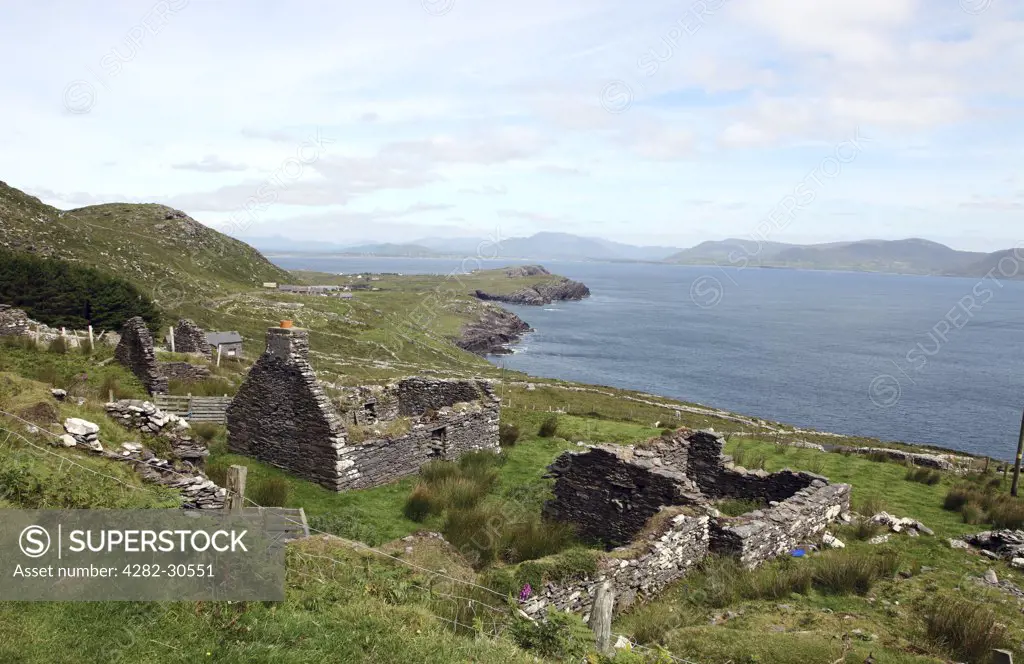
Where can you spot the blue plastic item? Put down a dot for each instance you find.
(799, 553)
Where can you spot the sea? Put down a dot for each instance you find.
(933, 360)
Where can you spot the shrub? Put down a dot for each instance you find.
(562, 637)
(965, 628)
(40, 413)
(270, 492)
(419, 504)
(548, 427)
(508, 434)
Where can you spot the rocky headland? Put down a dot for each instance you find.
(540, 294)
(493, 332)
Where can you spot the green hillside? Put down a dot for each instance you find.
(165, 252)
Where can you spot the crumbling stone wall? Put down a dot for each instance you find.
(609, 492)
(764, 534)
(418, 395)
(282, 416)
(636, 573)
(190, 338)
(717, 477)
(183, 371)
(135, 351)
(13, 322)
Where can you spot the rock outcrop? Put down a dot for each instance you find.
(493, 332)
(543, 293)
(526, 271)
(13, 322)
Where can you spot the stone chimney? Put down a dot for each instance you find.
(290, 344)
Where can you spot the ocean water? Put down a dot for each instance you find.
(920, 359)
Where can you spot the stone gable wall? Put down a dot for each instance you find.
(135, 351)
(281, 415)
(762, 535)
(190, 338)
(652, 564)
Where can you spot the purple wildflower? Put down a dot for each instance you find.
(525, 593)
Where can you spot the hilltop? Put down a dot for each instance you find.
(164, 251)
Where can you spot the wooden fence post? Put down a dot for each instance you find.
(92, 340)
(236, 488)
(601, 618)
(171, 337)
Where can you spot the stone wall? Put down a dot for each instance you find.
(418, 395)
(183, 371)
(282, 416)
(765, 534)
(13, 322)
(147, 418)
(190, 338)
(609, 492)
(636, 573)
(135, 351)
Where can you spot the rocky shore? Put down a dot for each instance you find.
(541, 294)
(493, 332)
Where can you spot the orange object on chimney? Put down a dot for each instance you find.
(286, 323)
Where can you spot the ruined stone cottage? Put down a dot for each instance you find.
(652, 506)
(281, 415)
(190, 338)
(136, 352)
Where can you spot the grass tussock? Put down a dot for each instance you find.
(749, 458)
(965, 628)
(982, 502)
(923, 476)
(508, 434)
(740, 506)
(869, 505)
(269, 492)
(549, 427)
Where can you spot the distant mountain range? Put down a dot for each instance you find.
(910, 256)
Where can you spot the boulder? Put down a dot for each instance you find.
(80, 427)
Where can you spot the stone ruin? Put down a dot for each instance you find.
(135, 351)
(13, 322)
(281, 415)
(652, 507)
(190, 338)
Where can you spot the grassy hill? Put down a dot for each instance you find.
(164, 251)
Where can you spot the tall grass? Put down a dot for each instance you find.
(269, 492)
(966, 628)
(923, 476)
(982, 502)
(549, 427)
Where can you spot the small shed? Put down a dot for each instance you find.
(230, 343)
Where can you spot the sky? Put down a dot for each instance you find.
(647, 122)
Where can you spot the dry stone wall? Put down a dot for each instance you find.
(135, 351)
(13, 322)
(183, 371)
(640, 572)
(764, 534)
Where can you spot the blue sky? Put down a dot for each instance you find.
(651, 122)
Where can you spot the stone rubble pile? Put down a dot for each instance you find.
(897, 525)
(997, 544)
(81, 433)
(145, 417)
(949, 462)
(197, 490)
